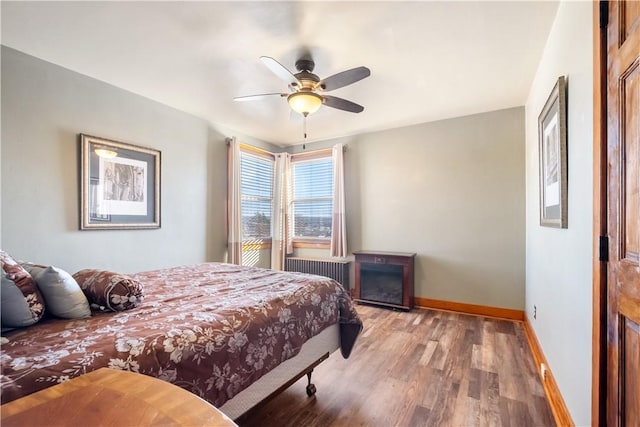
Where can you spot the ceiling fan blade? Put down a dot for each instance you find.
(344, 78)
(279, 70)
(342, 104)
(258, 97)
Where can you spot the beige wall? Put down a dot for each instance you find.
(558, 274)
(453, 192)
(44, 108)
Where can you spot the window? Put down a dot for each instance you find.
(312, 203)
(256, 187)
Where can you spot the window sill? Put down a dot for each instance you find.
(312, 243)
(254, 245)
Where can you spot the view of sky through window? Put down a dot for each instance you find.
(312, 198)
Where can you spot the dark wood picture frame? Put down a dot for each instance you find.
(552, 148)
(119, 185)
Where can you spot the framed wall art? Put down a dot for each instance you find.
(119, 185)
(552, 140)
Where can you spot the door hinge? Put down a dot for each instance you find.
(604, 14)
(603, 248)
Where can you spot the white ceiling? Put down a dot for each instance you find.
(428, 60)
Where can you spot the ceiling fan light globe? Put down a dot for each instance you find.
(304, 102)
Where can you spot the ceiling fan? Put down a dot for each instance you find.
(307, 89)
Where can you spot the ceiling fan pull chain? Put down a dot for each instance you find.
(304, 125)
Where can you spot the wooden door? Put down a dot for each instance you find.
(623, 213)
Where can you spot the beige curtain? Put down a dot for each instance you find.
(281, 243)
(234, 216)
(338, 220)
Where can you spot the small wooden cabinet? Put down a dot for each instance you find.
(384, 278)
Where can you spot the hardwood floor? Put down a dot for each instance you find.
(422, 368)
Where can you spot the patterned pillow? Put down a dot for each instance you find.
(22, 303)
(108, 291)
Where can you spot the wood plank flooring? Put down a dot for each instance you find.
(421, 368)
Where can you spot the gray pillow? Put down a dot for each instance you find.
(18, 310)
(32, 269)
(22, 302)
(62, 294)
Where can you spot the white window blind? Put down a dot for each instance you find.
(312, 203)
(256, 187)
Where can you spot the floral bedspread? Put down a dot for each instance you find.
(212, 329)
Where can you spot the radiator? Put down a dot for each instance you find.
(336, 270)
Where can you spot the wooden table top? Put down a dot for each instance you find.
(109, 397)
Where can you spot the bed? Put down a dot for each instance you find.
(230, 334)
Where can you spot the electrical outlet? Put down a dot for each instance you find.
(543, 371)
(535, 311)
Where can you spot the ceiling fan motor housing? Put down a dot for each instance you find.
(305, 76)
(308, 80)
